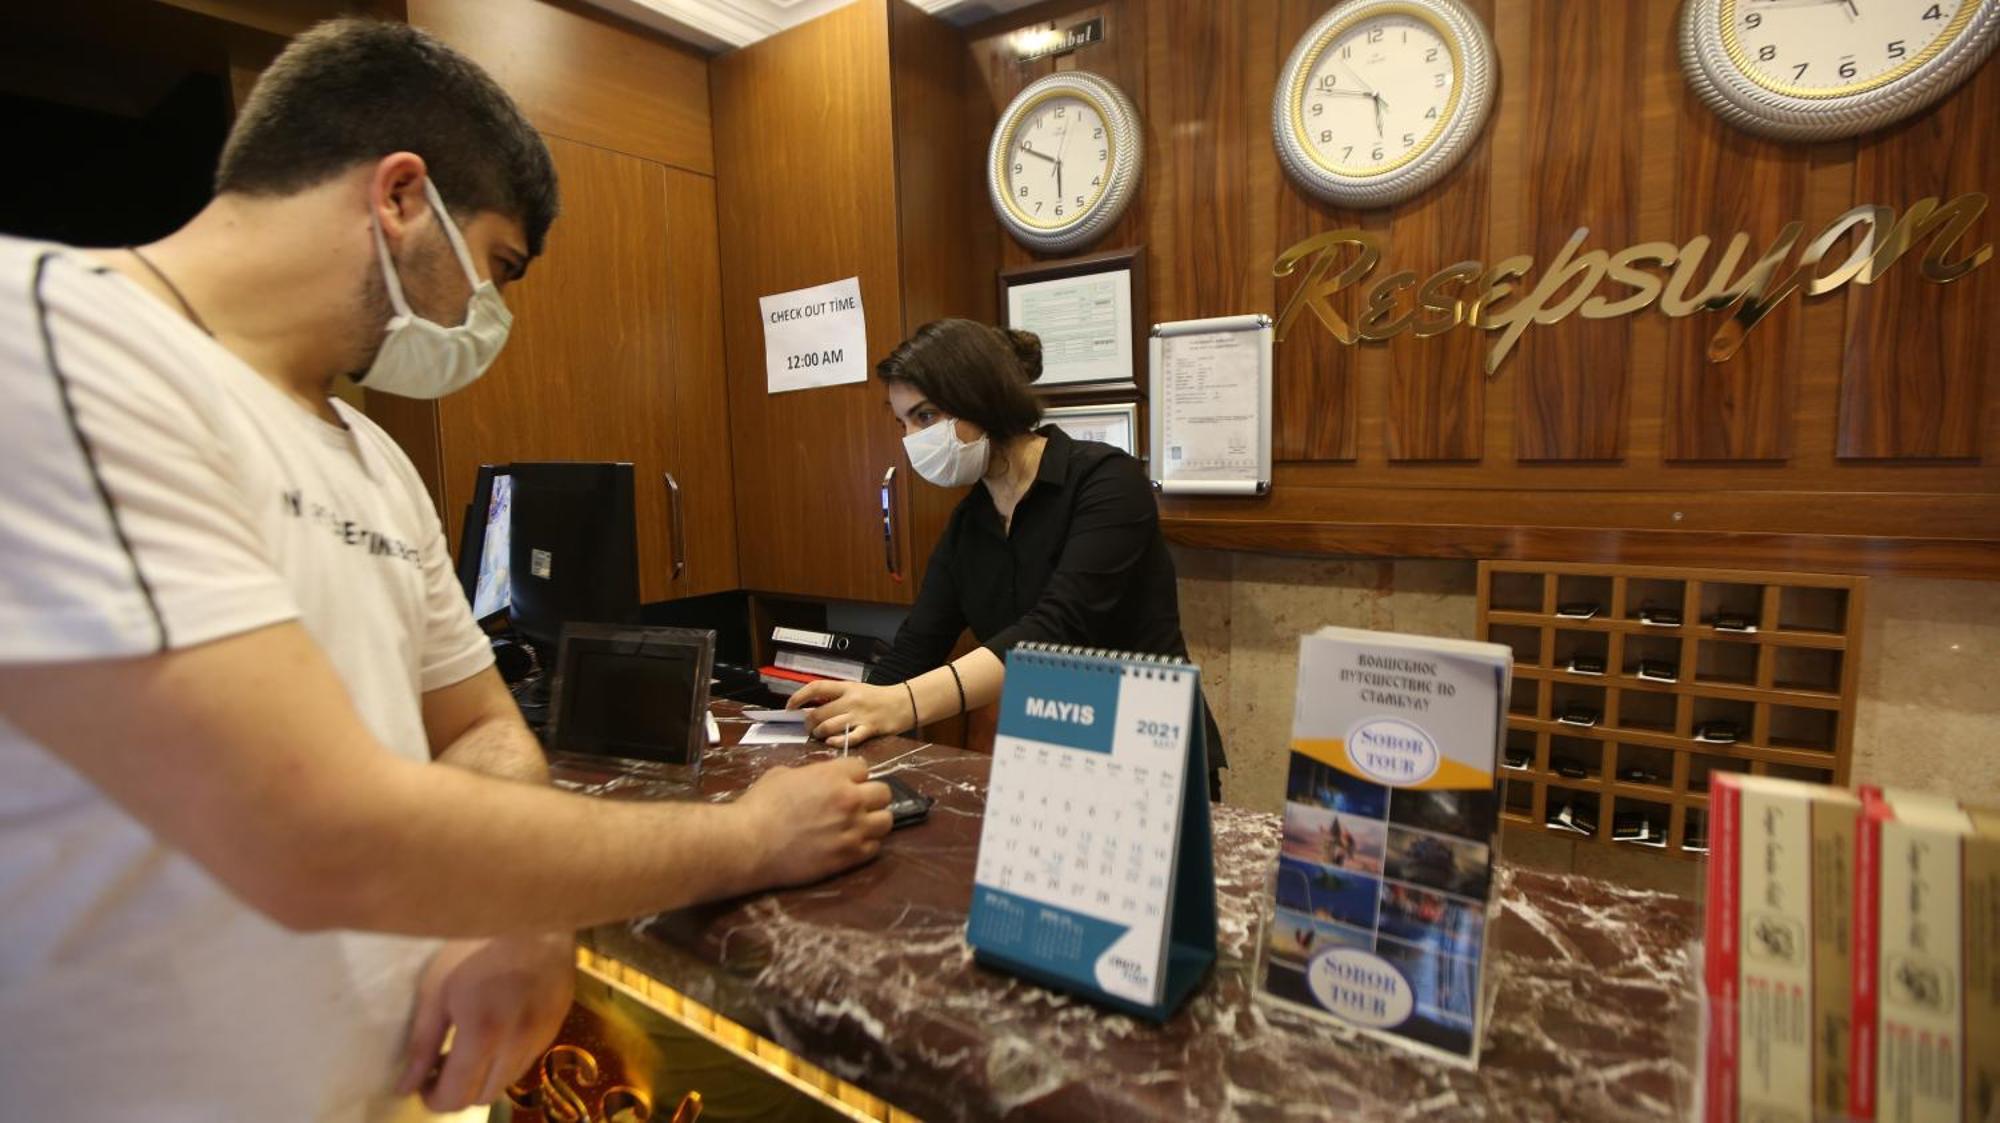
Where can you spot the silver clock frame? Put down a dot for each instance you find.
(1128, 155)
(1745, 105)
(1475, 50)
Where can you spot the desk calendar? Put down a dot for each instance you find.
(1096, 873)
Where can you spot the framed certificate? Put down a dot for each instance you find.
(1088, 312)
(1114, 423)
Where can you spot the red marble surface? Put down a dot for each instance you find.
(868, 976)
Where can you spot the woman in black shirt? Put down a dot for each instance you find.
(1060, 542)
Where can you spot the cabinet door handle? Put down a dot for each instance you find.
(889, 525)
(679, 528)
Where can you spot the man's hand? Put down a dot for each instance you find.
(844, 714)
(505, 997)
(814, 821)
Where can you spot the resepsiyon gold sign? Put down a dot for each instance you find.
(1471, 293)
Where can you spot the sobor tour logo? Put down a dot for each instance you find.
(1360, 987)
(1394, 752)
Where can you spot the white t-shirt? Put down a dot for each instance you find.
(157, 493)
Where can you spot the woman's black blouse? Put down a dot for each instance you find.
(1085, 565)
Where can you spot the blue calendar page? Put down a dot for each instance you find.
(1078, 857)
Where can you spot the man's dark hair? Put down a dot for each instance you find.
(352, 91)
(973, 372)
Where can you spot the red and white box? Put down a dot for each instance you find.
(1926, 1041)
(1777, 948)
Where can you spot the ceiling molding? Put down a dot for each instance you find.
(722, 25)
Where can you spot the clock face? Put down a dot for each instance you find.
(1058, 159)
(1378, 94)
(1829, 48)
(1380, 98)
(1064, 161)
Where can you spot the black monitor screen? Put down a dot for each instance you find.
(629, 705)
(571, 547)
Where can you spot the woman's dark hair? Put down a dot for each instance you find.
(972, 371)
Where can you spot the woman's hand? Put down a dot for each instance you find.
(847, 713)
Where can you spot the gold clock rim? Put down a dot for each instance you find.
(1294, 101)
(1733, 47)
(1007, 130)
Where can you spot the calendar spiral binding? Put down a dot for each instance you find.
(1069, 657)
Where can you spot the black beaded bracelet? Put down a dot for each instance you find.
(960, 684)
(913, 703)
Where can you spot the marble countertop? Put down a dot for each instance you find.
(868, 976)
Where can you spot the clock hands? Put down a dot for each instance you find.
(1038, 155)
(1368, 91)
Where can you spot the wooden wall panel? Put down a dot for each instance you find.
(940, 186)
(1570, 380)
(1920, 355)
(1731, 181)
(697, 374)
(1199, 161)
(1437, 386)
(644, 95)
(807, 188)
(586, 371)
(1313, 377)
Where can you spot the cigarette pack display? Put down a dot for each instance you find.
(1778, 949)
(1926, 993)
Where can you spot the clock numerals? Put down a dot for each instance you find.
(1836, 44)
(1378, 89)
(1060, 139)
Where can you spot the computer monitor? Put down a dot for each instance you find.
(482, 548)
(572, 551)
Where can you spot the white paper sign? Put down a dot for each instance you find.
(1085, 324)
(815, 337)
(1210, 399)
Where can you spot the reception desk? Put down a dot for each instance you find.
(865, 981)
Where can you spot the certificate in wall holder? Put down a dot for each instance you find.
(1113, 423)
(1096, 874)
(1211, 406)
(1088, 313)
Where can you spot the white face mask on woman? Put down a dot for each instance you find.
(422, 359)
(940, 457)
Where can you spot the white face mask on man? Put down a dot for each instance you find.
(423, 359)
(940, 457)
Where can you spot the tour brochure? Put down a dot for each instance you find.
(1384, 887)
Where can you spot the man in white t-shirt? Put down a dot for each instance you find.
(255, 762)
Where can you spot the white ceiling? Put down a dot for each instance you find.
(719, 25)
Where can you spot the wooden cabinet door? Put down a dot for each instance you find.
(704, 528)
(805, 168)
(587, 371)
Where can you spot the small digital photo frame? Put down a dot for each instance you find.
(634, 697)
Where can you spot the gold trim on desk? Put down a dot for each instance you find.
(762, 1053)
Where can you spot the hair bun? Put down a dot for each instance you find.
(1028, 349)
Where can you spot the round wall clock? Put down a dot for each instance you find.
(1815, 69)
(1381, 97)
(1064, 161)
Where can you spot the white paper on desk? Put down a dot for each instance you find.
(814, 337)
(776, 717)
(1209, 392)
(774, 733)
